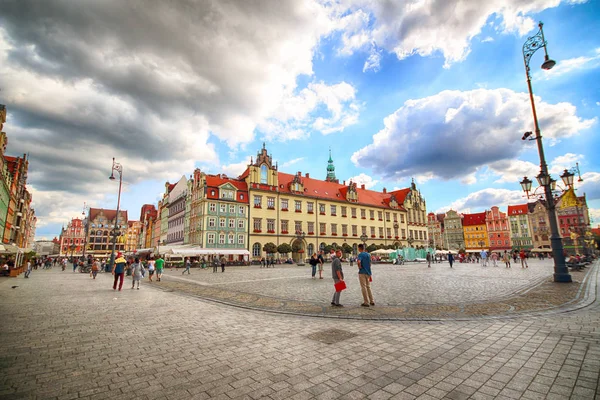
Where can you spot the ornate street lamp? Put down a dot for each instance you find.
(86, 225)
(531, 45)
(410, 241)
(364, 238)
(119, 168)
(300, 236)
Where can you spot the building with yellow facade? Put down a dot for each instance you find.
(475, 231)
(309, 214)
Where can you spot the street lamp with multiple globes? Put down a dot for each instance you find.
(364, 238)
(534, 43)
(119, 168)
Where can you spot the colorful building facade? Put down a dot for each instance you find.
(520, 228)
(498, 230)
(475, 231)
(454, 236)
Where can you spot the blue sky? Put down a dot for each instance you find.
(434, 92)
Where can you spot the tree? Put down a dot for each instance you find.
(371, 248)
(346, 248)
(284, 248)
(270, 248)
(296, 247)
(327, 248)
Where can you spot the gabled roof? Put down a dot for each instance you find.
(474, 219)
(109, 214)
(520, 209)
(218, 180)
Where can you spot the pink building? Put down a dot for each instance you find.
(498, 230)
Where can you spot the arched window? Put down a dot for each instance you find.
(256, 250)
(311, 249)
(322, 246)
(263, 174)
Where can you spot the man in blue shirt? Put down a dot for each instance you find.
(364, 276)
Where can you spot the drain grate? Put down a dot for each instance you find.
(331, 336)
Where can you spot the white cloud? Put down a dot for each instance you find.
(570, 65)
(373, 62)
(452, 134)
(595, 217)
(291, 162)
(513, 171)
(487, 39)
(567, 161)
(235, 169)
(426, 27)
(485, 199)
(363, 179)
(590, 186)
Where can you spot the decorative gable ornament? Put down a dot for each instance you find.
(352, 193)
(296, 185)
(393, 202)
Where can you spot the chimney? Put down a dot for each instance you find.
(362, 186)
(384, 190)
(307, 175)
(299, 174)
(344, 183)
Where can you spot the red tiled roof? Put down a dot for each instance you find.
(520, 209)
(474, 219)
(216, 181)
(319, 189)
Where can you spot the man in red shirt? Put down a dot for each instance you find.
(523, 257)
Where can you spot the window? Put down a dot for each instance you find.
(257, 201)
(231, 223)
(371, 214)
(284, 204)
(333, 210)
(240, 224)
(271, 225)
(354, 230)
(380, 232)
(363, 213)
(345, 230)
(311, 227)
(297, 226)
(212, 207)
(211, 238)
(380, 215)
(227, 194)
(309, 207)
(257, 224)
(211, 222)
(363, 230)
(222, 238)
(403, 233)
(389, 232)
(271, 203)
(256, 250)
(284, 226)
(222, 208)
(322, 228)
(322, 209)
(231, 239)
(387, 216)
(242, 210)
(402, 218)
(240, 239)
(373, 231)
(353, 212)
(298, 205)
(420, 235)
(344, 211)
(263, 174)
(222, 222)
(334, 229)
(311, 249)
(231, 209)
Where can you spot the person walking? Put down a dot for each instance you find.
(506, 259)
(223, 262)
(450, 259)
(313, 263)
(118, 270)
(215, 263)
(95, 268)
(137, 271)
(320, 264)
(203, 263)
(187, 263)
(29, 268)
(150, 269)
(364, 276)
(159, 264)
(523, 258)
(484, 260)
(338, 276)
(428, 257)
(494, 258)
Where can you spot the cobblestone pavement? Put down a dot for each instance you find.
(66, 336)
(412, 291)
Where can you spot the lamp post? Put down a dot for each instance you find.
(300, 236)
(364, 238)
(119, 168)
(410, 241)
(534, 43)
(86, 225)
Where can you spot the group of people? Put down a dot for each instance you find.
(137, 270)
(484, 258)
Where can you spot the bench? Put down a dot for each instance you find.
(576, 266)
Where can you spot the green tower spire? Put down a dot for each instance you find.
(330, 169)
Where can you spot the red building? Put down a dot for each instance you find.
(72, 238)
(498, 230)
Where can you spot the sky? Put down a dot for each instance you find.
(433, 91)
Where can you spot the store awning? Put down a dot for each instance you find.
(476, 250)
(192, 251)
(8, 249)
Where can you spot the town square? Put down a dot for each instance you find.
(313, 199)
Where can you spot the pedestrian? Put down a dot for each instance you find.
(223, 262)
(262, 262)
(515, 255)
(215, 263)
(428, 257)
(364, 276)
(483, 258)
(450, 259)
(338, 276)
(74, 260)
(523, 257)
(203, 263)
(187, 264)
(494, 258)
(29, 268)
(506, 259)
(314, 260)
(137, 270)
(118, 270)
(95, 268)
(160, 265)
(320, 264)
(150, 268)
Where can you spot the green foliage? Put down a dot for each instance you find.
(270, 248)
(327, 248)
(371, 248)
(346, 248)
(30, 255)
(296, 247)
(284, 248)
